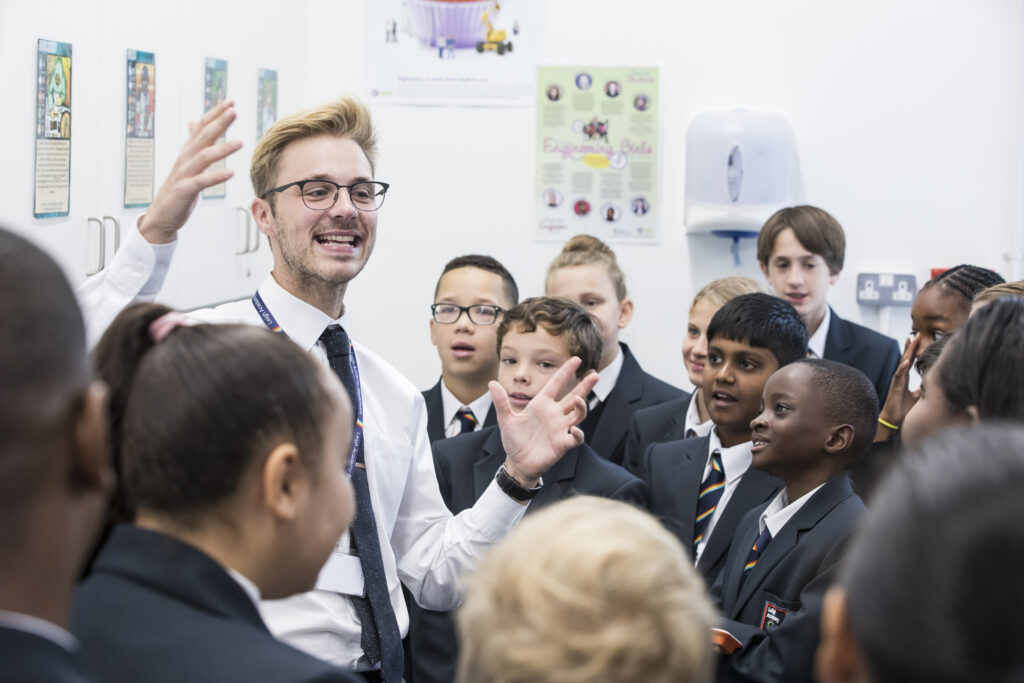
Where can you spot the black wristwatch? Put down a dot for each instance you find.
(515, 490)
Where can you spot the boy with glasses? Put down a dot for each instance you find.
(470, 298)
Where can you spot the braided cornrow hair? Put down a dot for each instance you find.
(965, 281)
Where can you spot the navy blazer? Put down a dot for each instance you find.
(158, 610)
(776, 612)
(874, 354)
(435, 413)
(28, 658)
(673, 472)
(656, 424)
(465, 466)
(634, 389)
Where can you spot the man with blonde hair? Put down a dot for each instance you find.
(316, 200)
(588, 590)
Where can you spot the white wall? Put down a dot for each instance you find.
(907, 117)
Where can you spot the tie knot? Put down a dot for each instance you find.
(467, 420)
(335, 341)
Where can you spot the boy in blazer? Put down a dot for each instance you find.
(469, 300)
(819, 417)
(701, 487)
(534, 339)
(801, 251)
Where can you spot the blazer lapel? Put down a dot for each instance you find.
(754, 489)
(733, 571)
(685, 481)
(492, 457)
(558, 481)
(614, 423)
(435, 412)
(837, 340)
(492, 417)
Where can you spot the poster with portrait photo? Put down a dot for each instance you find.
(215, 91)
(597, 153)
(140, 119)
(52, 184)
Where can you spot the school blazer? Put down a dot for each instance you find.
(673, 472)
(656, 424)
(634, 389)
(465, 466)
(874, 354)
(28, 658)
(158, 610)
(776, 612)
(435, 413)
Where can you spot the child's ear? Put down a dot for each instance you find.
(284, 481)
(764, 269)
(838, 659)
(839, 439)
(834, 277)
(433, 335)
(972, 414)
(91, 469)
(625, 312)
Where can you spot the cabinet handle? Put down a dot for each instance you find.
(245, 213)
(117, 232)
(103, 244)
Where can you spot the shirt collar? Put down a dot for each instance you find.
(250, 588)
(302, 322)
(609, 376)
(816, 344)
(780, 511)
(39, 627)
(693, 418)
(735, 459)
(451, 405)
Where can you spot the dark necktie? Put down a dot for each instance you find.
(711, 490)
(468, 420)
(755, 552)
(381, 640)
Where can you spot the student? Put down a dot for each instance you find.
(471, 295)
(590, 591)
(818, 418)
(801, 251)
(979, 375)
(587, 272)
(701, 487)
(534, 339)
(990, 294)
(930, 588)
(233, 461)
(686, 417)
(54, 473)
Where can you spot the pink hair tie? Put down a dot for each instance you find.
(162, 326)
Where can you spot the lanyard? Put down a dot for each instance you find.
(357, 436)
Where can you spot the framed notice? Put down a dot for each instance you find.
(216, 91)
(597, 153)
(139, 143)
(266, 106)
(52, 187)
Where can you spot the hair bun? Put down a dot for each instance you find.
(583, 243)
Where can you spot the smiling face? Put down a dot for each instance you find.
(592, 288)
(935, 315)
(314, 250)
(527, 361)
(695, 343)
(791, 432)
(469, 351)
(799, 277)
(732, 384)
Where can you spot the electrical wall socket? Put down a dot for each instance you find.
(885, 289)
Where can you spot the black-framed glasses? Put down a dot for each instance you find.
(321, 195)
(479, 314)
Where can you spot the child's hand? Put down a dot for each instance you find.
(900, 399)
(536, 438)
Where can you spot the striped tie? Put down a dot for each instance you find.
(468, 420)
(711, 490)
(759, 545)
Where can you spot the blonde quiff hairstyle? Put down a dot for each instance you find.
(588, 590)
(584, 250)
(343, 118)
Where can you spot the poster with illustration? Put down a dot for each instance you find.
(216, 91)
(266, 105)
(139, 147)
(52, 194)
(479, 52)
(597, 153)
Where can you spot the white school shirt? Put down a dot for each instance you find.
(736, 462)
(606, 379)
(451, 406)
(420, 541)
(816, 344)
(780, 511)
(693, 422)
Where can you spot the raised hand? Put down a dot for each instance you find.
(191, 174)
(536, 438)
(900, 399)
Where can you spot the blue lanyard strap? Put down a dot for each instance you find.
(357, 436)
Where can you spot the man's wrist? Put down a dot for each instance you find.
(153, 235)
(516, 488)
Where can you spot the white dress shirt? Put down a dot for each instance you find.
(421, 543)
(816, 343)
(607, 379)
(780, 511)
(451, 407)
(736, 462)
(693, 422)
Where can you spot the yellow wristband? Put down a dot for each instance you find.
(890, 425)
